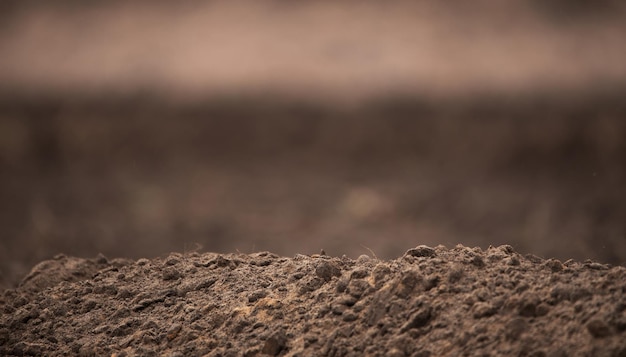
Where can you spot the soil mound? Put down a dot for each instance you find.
(429, 302)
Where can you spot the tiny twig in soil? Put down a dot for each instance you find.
(371, 251)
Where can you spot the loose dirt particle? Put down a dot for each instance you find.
(421, 251)
(326, 270)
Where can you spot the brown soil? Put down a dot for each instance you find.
(139, 129)
(429, 302)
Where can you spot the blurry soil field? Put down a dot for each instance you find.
(142, 175)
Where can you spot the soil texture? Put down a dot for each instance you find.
(429, 302)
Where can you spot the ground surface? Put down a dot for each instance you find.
(138, 129)
(429, 302)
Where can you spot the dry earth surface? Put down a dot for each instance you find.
(429, 302)
(140, 129)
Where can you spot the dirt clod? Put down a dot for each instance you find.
(326, 270)
(421, 251)
(430, 302)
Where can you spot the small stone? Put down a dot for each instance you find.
(421, 251)
(363, 258)
(326, 270)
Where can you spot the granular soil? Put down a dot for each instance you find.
(429, 302)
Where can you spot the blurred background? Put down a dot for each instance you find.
(134, 129)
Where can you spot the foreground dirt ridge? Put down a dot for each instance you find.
(429, 302)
